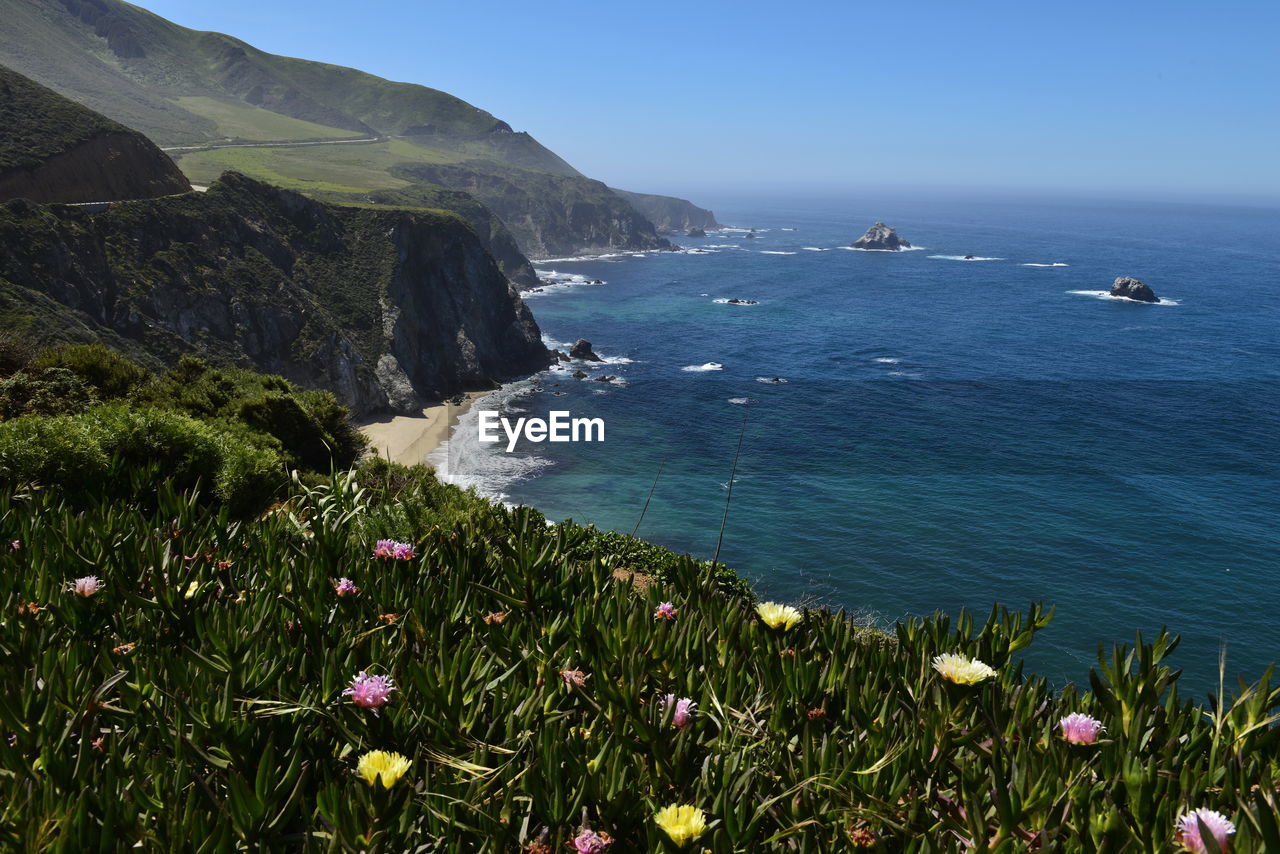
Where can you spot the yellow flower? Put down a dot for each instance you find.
(192, 589)
(961, 670)
(378, 764)
(681, 822)
(777, 616)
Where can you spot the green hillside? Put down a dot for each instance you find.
(185, 88)
(64, 124)
(174, 84)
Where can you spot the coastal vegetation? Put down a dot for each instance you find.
(365, 658)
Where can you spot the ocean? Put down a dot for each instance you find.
(921, 432)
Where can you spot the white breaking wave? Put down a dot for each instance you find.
(774, 252)
(742, 401)
(725, 301)
(552, 344)
(1107, 295)
(709, 366)
(463, 461)
(815, 249)
(1054, 264)
(860, 249)
(771, 380)
(966, 258)
(886, 360)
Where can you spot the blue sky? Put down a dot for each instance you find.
(1121, 98)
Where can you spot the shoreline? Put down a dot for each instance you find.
(410, 439)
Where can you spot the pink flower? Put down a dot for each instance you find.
(369, 692)
(15, 545)
(683, 715)
(86, 587)
(1080, 729)
(589, 842)
(575, 678)
(665, 611)
(1187, 830)
(345, 587)
(394, 550)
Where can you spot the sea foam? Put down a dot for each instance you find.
(1107, 295)
(709, 366)
(966, 258)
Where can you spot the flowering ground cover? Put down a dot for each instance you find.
(382, 663)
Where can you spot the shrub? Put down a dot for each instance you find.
(92, 454)
(51, 391)
(110, 374)
(15, 354)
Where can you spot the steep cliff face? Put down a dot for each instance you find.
(669, 214)
(496, 237)
(548, 214)
(387, 308)
(54, 150)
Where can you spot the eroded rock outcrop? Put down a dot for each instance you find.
(581, 349)
(1133, 289)
(882, 237)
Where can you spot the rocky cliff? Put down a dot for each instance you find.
(496, 237)
(386, 308)
(54, 150)
(548, 214)
(668, 214)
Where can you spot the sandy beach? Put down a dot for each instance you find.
(409, 439)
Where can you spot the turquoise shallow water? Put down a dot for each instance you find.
(950, 433)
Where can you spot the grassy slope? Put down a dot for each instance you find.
(237, 120)
(127, 62)
(341, 168)
(64, 124)
(181, 87)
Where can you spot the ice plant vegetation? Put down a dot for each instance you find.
(393, 550)
(589, 842)
(369, 692)
(229, 724)
(381, 766)
(777, 616)
(1187, 832)
(681, 822)
(1080, 729)
(962, 670)
(85, 587)
(684, 708)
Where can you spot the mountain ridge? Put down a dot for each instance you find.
(187, 87)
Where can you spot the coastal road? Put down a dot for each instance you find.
(281, 144)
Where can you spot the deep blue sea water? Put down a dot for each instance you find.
(950, 433)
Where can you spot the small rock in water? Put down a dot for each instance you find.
(1133, 289)
(581, 349)
(881, 236)
(579, 375)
